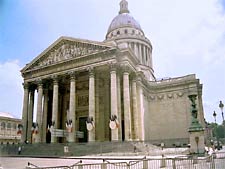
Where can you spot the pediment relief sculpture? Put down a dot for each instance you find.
(68, 51)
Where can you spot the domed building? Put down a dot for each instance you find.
(106, 91)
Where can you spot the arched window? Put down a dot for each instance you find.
(118, 32)
(125, 31)
(3, 125)
(133, 31)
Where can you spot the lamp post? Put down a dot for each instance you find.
(221, 105)
(217, 139)
(214, 115)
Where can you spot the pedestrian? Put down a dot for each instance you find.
(19, 150)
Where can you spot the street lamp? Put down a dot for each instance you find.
(221, 105)
(214, 115)
(216, 134)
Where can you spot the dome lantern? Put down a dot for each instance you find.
(123, 7)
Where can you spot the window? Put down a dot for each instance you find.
(14, 126)
(8, 125)
(125, 31)
(118, 32)
(3, 125)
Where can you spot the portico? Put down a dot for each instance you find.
(70, 106)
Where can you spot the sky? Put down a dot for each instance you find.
(188, 37)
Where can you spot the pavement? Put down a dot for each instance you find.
(22, 162)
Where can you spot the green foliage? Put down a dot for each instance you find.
(218, 130)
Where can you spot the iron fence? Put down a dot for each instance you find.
(215, 161)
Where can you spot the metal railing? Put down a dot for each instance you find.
(215, 161)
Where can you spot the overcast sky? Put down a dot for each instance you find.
(188, 36)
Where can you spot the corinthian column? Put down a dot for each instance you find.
(30, 115)
(114, 103)
(71, 116)
(91, 133)
(39, 112)
(55, 107)
(126, 98)
(45, 112)
(134, 108)
(140, 101)
(25, 113)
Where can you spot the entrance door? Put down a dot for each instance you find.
(48, 137)
(83, 128)
(123, 131)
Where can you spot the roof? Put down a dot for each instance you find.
(5, 114)
(123, 20)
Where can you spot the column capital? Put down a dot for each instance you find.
(140, 76)
(39, 82)
(126, 68)
(25, 85)
(91, 71)
(72, 75)
(113, 66)
(55, 79)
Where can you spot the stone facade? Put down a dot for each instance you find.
(10, 131)
(106, 91)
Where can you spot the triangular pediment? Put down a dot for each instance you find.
(65, 49)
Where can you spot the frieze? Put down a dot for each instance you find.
(170, 95)
(160, 97)
(152, 97)
(180, 94)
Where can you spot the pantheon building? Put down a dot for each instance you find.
(89, 91)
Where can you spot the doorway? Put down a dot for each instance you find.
(83, 128)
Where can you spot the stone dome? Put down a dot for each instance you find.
(123, 19)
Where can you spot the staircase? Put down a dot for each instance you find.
(75, 149)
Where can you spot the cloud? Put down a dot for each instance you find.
(11, 88)
(187, 37)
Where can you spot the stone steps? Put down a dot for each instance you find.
(75, 149)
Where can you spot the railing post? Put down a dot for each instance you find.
(80, 166)
(145, 164)
(104, 165)
(163, 162)
(195, 159)
(128, 166)
(174, 163)
(212, 166)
